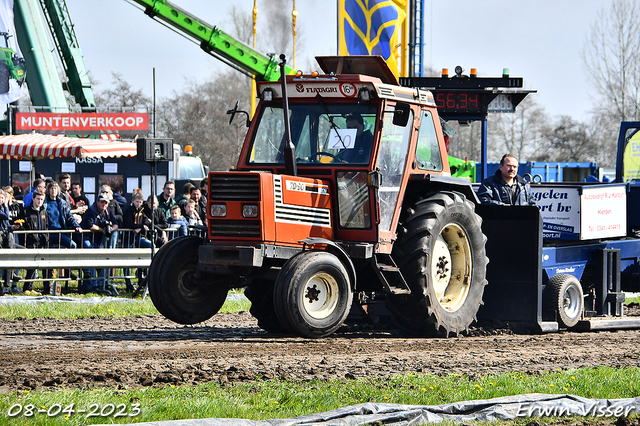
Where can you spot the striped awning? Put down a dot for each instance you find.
(37, 146)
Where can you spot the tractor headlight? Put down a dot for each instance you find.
(250, 210)
(218, 210)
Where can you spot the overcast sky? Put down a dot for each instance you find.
(540, 40)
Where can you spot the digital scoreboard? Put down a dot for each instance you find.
(460, 101)
(463, 96)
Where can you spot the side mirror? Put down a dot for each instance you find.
(235, 110)
(401, 114)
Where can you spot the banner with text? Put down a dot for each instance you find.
(580, 211)
(133, 123)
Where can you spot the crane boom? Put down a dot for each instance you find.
(64, 37)
(215, 41)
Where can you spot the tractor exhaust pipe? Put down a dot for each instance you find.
(290, 166)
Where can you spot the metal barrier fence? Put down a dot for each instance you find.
(121, 251)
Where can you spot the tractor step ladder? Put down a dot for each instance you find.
(392, 280)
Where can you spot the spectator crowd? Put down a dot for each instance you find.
(56, 214)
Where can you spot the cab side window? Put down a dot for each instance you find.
(427, 149)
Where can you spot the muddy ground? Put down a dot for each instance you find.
(143, 350)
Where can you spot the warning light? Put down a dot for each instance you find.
(188, 149)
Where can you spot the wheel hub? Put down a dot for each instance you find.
(571, 302)
(321, 295)
(312, 294)
(451, 267)
(189, 283)
(442, 270)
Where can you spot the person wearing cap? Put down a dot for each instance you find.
(102, 223)
(361, 150)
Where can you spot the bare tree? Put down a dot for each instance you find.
(567, 140)
(242, 23)
(611, 57)
(603, 133)
(466, 142)
(121, 95)
(520, 133)
(612, 60)
(197, 116)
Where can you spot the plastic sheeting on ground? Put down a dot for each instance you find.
(496, 409)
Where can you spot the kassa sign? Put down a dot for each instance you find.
(133, 123)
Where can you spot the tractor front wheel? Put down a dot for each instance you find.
(313, 294)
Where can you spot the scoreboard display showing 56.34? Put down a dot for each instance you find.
(457, 101)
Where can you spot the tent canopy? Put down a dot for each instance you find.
(37, 147)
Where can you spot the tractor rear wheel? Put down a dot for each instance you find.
(313, 294)
(178, 290)
(260, 294)
(563, 294)
(5, 75)
(441, 253)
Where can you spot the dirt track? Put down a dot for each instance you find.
(143, 350)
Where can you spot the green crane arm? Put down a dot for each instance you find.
(69, 51)
(215, 41)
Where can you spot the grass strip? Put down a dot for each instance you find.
(63, 310)
(284, 399)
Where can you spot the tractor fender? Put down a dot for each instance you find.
(337, 251)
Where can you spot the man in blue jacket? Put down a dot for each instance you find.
(102, 223)
(506, 187)
(59, 217)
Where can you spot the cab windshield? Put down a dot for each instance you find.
(323, 133)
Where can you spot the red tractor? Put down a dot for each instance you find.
(342, 202)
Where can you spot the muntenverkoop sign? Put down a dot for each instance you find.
(581, 211)
(132, 123)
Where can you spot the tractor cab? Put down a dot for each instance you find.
(354, 129)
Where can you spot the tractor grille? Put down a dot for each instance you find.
(233, 187)
(234, 228)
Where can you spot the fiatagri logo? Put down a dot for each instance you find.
(301, 88)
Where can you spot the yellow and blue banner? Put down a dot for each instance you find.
(371, 27)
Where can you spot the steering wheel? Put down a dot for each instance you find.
(328, 154)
